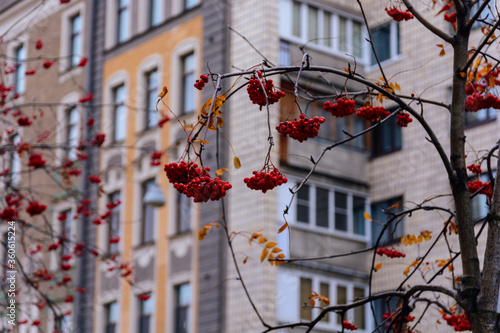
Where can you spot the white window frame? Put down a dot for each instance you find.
(147, 65)
(286, 28)
(394, 40)
(290, 304)
(311, 225)
(65, 49)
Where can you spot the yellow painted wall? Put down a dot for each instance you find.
(130, 61)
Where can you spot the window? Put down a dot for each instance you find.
(182, 312)
(386, 42)
(479, 203)
(63, 324)
(66, 219)
(20, 78)
(394, 231)
(119, 113)
(331, 209)
(123, 21)
(147, 226)
(15, 161)
(72, 129)
(75, 40)
(146, 306)
(114, 224)
(188, 4)
(187, 96)
(154, 12)
(112, 315)
(486, 15)
(339, 292)
(386, 138)
(184, 208)
(151, 96)
(326, 29)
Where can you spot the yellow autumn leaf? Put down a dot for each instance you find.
(203, 141)
(377, 266)
(271, 244)
(264, 254)
(262, 240)
(221, 171)
(367, 216)
(202, 233)
(442, 53)
(237, 163)
(220, 122)
(393, 206)
(276, 250)
(280, 256)
(397, 87)
(419, 239)
(426, 234)
(163, 92)
(462, 74)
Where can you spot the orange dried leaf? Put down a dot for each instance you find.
(377, 266)
(462, 74)
(276, 250)
(221, 171)
(346, 69)
(262, 240)
(280, 256)
(367, 216)
(220, 122)
(442, 53)
(394, 206)
(271, 244)
(203, 141)
(397, 87)
(245, 260)
(163, 92)
(237, 163)
(282, 228)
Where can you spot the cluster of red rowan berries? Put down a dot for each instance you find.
(396, 320)
(459, 322)
(156, 158)
(348, 326)
(256, 93)
(265, 181)
(471, 88)
(301, 129)
(390, 253)
(342, 107)
(23, 121)
(452, 18)
(398, 15)
(403, 119)
(200, 84)
(476, 185)
(474, 168)
(35, 208)
(98, 139)
(190, 180)
(372, 113)
(36, 161)
(476, 102)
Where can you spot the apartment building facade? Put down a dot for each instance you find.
(180, 284)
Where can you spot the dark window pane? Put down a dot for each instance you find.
(324, 290)
(358, 218)
(303, 204)
(114, 222)
(305, 292)
(183, 213)
(122, 20)
(387, 137)
(341, 299)
(76, 40)
(154, 12)
(296, 19)
(341, 221)
(182, 308)
(359, 311)
(20, 70)
(340, 211)
(340, 200)
(147, 215)
(379, 219)
(381, 37)
(120, 113)
(188, 96)
(322, 204)
(72, 130)
(151, 97)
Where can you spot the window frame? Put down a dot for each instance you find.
(70, 127)
(19, 75)
(151, 115)
(75, 41)
(119, 105)
(114, 221)
(184, 208)
(375, 207)
(333, 284)
(187, 78)
(147, 232)
(311, 224)
(143, 316)
(188, 4)
(154, 13)
(324, 43)
(109, 325)
(394, 43)
(379, 133)
(184, 309)
(122, 8)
